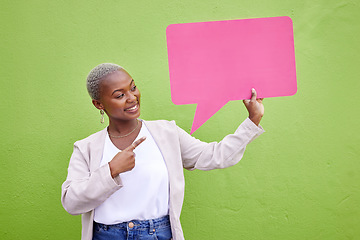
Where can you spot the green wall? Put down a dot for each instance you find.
(300, 180)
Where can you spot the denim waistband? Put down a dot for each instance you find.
(139, 224)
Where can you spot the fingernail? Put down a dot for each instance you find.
(253, 89)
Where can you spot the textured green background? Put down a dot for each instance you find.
(300, 180)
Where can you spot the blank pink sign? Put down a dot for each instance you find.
(211, 63)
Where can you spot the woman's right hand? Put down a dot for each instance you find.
(125, 160)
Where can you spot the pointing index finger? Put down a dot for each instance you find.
(135, 144)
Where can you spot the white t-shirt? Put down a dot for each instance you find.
(145, 191)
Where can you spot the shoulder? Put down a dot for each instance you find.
(160, 122)
(162, 127)
(92, 138)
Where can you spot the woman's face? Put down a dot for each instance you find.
(119, 97)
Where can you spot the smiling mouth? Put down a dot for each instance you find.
(133, 108)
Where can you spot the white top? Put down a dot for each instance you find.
(145, 191)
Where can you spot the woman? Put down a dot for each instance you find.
(127, 180)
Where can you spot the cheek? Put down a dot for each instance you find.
(138, 95)
(116, 103)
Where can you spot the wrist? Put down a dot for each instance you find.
(112, 170)
(255, 119)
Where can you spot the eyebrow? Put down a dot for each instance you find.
(132, 80)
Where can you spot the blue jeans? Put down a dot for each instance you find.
(154, 229)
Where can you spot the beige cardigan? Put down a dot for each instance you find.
(88, 185)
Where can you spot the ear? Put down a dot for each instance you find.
(97, 104)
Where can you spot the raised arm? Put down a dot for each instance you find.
(206, 156)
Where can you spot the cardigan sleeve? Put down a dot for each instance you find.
(84, 190)
(207, 156)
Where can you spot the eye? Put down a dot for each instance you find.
(133, 88)
(120, 95)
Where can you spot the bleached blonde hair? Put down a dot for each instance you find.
(96, 75)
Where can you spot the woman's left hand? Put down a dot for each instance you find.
(255, 107)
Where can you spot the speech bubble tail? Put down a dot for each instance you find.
(203, 113)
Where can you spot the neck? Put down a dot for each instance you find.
(122, 127)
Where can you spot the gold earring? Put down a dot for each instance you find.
(102, 120)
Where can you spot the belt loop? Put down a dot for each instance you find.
(151, 227)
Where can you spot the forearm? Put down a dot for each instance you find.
(81, 195)
(207, 156)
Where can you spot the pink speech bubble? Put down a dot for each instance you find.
(211, 63)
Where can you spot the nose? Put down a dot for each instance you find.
(131, 98)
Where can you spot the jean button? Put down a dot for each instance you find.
(131, 225)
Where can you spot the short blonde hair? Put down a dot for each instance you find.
(96, 75)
